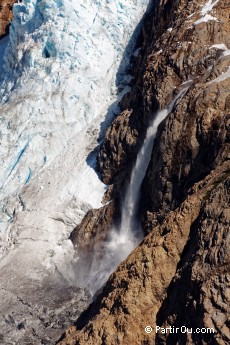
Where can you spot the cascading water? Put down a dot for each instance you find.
(124, 239)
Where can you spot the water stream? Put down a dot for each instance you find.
(123, 240)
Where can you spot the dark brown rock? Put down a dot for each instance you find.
(119, 141)
(199, 295)
(6, 16)
(93, 229)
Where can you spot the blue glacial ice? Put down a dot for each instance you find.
(58, 74)
(57, 81)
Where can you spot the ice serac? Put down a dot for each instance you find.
(55, 80)
(179, 275)
(58, 79)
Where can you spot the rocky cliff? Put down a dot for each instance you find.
(180, 274)
(6, 16)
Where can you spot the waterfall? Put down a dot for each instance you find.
(121, 241)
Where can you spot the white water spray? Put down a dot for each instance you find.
(123, 240)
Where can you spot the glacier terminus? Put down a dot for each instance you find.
(60, 70)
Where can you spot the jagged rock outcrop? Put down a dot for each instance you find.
(199, 294)
(180, 273)
(93, 228)
(6, 16)
(117, 147)
(166, 280)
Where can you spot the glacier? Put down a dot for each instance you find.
(58, 78)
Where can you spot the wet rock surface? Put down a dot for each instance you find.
(179, 275)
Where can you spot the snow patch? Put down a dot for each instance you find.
(205, 9)
(226, 52)
(222, 77)
(159, 51)
(205, 19)
(221, 46)
(208, 6)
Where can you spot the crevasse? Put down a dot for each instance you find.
(58, 75)
(57, 82)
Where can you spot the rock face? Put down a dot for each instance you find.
(180, 274)
(166, 282)
(6, 16)
(93, 228)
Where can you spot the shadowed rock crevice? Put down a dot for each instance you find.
(123, 139)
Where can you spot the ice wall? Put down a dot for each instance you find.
(56, 85)
(58, 76)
